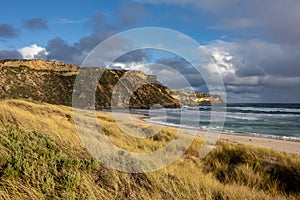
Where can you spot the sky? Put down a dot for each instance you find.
(254, 44)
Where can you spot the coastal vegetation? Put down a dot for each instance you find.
(53, 82)
(42, 157)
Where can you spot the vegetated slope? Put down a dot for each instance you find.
(52, 82)
(41, 157)
(133, 89)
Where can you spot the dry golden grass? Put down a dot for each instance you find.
(42, 157)
(50, 119)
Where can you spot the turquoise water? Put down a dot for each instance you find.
(281, 121)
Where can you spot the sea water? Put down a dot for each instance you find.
(280, 121)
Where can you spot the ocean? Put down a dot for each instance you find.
(279, 121)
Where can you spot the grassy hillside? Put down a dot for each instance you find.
(53, 82)
(41, 157)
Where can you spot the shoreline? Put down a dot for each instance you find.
(287, 146)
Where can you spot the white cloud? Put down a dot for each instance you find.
(136, 66)
(31, 51)
(255, 70)
(222, 59)
(278, 19)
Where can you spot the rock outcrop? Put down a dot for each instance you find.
(189, 98)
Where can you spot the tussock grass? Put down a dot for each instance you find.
(50, 119)
(258, 168)
(41, 157)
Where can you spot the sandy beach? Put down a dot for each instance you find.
(290, 147)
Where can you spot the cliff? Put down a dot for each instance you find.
(52, 82)
(190, 98)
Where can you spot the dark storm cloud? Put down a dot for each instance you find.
(10, 54)
(278, 95)
(271, 59)
(102, 29)
(179, 64)
(258, 68)
(136, 56)
(35, 24)
(176, 72)
(242, 89)
(263, 94)
(280, 19)
(59, 49)
(89, 42)
(274, 18)
(252, 70)
(8, 31)
(260, 58)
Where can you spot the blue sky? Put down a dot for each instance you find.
(256, 44)
(69, 20)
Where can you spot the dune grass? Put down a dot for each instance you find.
(42, 157)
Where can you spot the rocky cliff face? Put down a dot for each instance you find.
(190, 98)
(52, 82)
